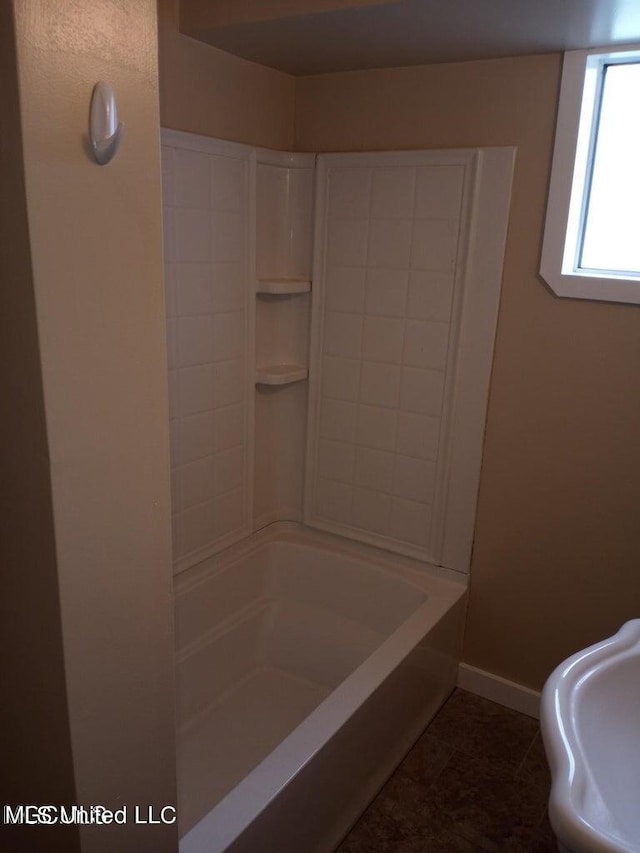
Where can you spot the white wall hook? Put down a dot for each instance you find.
(105, 131)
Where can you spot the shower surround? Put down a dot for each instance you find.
(330, 323)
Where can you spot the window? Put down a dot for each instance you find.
(591, 246)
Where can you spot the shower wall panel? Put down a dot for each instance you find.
(207, 218)
(408, 251)
(390, 261)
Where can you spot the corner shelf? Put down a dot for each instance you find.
(282, 286)
(281, 374)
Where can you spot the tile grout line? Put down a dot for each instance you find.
(528, 750)
(356, 402)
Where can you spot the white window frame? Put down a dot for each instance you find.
(574, 148)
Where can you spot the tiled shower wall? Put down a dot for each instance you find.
(390, 260)
(207, 258)
(385, 416)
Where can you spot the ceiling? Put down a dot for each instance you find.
(416, 32)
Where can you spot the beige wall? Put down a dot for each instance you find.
(96, 251)
(36, 746)
(556, 555)
(204, 90)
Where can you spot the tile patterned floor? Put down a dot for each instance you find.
(476, 781)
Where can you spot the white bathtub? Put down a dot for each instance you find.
(306, 667)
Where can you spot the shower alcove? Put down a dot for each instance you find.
(284, 230)
(330, 328)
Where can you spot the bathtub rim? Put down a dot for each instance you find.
(414, 572)
(444, 588)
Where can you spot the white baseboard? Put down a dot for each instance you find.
(499, 690)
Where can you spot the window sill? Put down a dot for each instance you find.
(607, 289)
